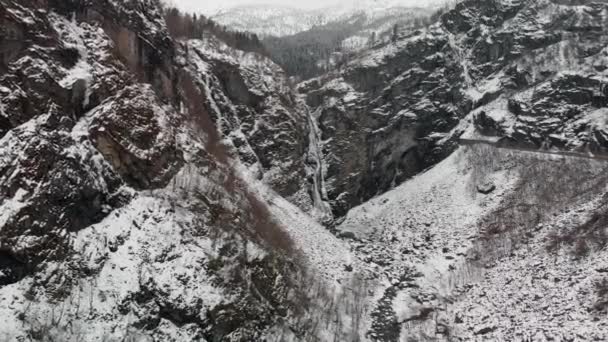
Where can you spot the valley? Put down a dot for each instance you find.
(165, 178)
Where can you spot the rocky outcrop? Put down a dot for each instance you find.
(137, 137)
(382, 117)
(527, 71)
(51, 187)
(49, 192)
(255, 108)
(548, 92)
(122, 158)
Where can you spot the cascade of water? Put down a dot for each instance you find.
(321, 209)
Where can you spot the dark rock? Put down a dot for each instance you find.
(347, 235)
(134, 135)
(484, 330)
(11, 269)
(422, 314)
(458, 318)
(487, 125)
(486, 187)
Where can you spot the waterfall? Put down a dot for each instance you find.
(321, 209)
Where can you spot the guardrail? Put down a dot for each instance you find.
(503, 144)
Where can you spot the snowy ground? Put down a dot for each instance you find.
(418, 234)
(412, 247)
(421, 243)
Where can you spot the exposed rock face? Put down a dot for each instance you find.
(137, 137)
(50, 186)
(256, 109)
(121, 158)
(529, 71)
(48, 192)
(547, 82)
(145, 183)
(383, 117)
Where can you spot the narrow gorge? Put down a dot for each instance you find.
(446, 181)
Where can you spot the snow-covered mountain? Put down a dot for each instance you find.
(273, 20)
(447, 185)
(267, 20)
(328, 34)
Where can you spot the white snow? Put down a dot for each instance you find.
(489, 86)
(438, 204)
(598, 119)
(324, 253)
(72, 34)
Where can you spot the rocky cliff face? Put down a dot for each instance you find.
(258, 114)
(155, 189)
(127, 209)
(383, 117)
(539, 76)
(529, 72)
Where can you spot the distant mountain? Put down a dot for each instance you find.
(324, 47)
(268, 20)
(307, 43)
(278, 21)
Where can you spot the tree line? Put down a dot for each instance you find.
(306, 54)
(183, 25)
(320, 49)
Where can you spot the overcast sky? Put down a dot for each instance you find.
(212, 6)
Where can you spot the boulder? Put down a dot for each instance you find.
(486, 187)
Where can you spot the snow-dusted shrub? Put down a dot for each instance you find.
(547, 185)
(256, 217)
(330, 313)
(582, 239)
(601, 293)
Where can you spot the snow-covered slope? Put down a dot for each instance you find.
(480, 248)
(413, 239)
(142, 181)
(156, 189)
